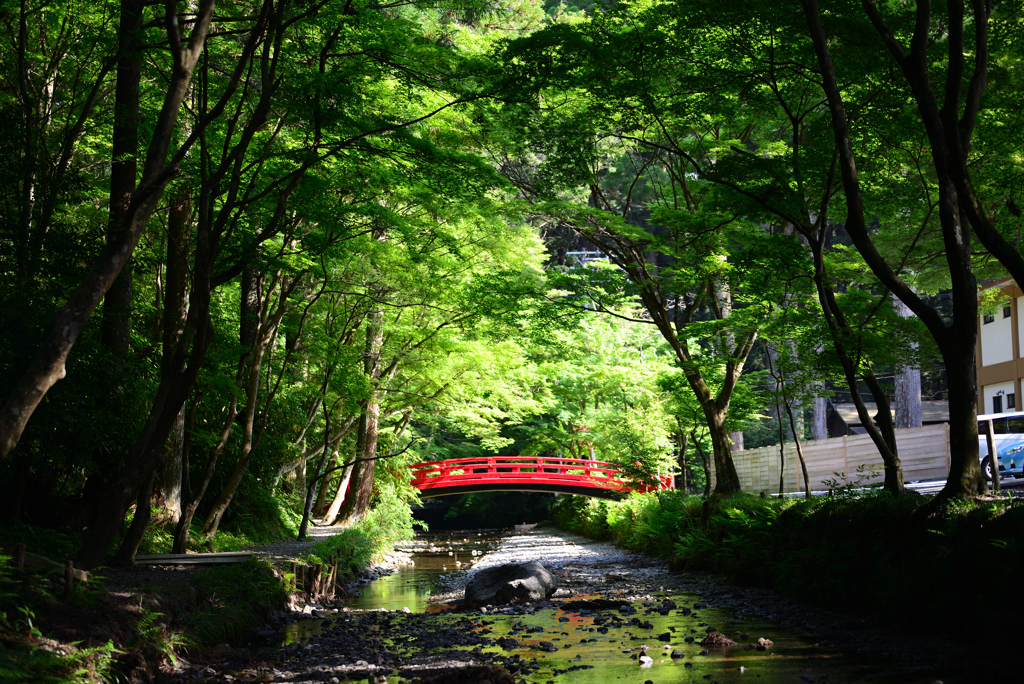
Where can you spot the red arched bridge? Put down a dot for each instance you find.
(526, 474)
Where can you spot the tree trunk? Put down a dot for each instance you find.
(171, 395)
(681, 458)
(145, 453)
(782, 401)
(727, 480)
(266, 332)
(782, 432)
(175, 387)
(220, 505)
(47, 367)
(192, 498)
(799, 450)
(167, 491)
(948, 136)
(168, 494)
(315, 483)
(358, 502)
(331, 516)
(117, 312)
(140, 521)
(704, 462)
(250, 301)
(321, 497)
(908, 386)
(819, 412)
(882, 433)
(965, 475)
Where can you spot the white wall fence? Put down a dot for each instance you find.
(923, 452)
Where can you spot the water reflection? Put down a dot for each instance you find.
(579, 647)
(433, 555)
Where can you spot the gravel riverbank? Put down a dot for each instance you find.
(516, 644)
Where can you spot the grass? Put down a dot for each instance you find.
(366, 542)
(26, 654)
(233, 599)
(222, 604)
(953, 563)
(255, 517)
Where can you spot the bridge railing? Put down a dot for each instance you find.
(525, 470)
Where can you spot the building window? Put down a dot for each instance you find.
(1006, 311)
(997, 404)
(987, 318)
(1011, 401)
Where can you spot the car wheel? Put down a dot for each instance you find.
(986, 468)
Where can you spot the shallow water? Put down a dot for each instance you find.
(614, 655)
(603, 646)
(433, 555)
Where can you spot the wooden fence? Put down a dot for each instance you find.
(923, 452)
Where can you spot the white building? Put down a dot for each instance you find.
(998, 356)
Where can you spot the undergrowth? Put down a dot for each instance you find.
(390, 521)
(26, 654)
(954, 563)
(255, 517)
(47, 637)
(232, 599)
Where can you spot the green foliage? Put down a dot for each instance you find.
(357, 547)
(153, 642)
(851, 486)
(232, 599)
(952, 561)
(77, 665)
(257, 517)
(25, 654)
(43, 541)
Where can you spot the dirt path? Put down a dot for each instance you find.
(289, 550)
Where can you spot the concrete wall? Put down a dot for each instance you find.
(996, 337)
(992, 343)
(989, 391)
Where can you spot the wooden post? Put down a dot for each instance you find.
(317, 570)
(19, 556)
(993, 456)
(334, 580)
(69, 579)
(295, 575)
(945, 432)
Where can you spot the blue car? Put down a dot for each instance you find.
(1008, 434)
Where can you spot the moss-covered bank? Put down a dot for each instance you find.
(112, 628)
(909, 561)
(125, 624)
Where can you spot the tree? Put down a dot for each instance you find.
(690, 68)
(47, 367)
(671, 233)
(949, 127)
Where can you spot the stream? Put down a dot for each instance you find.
(612, 612)
(433, 555)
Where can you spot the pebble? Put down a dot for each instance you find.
(353, 648)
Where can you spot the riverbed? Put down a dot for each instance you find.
(615, 617)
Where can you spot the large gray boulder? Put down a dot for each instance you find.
(511, 583)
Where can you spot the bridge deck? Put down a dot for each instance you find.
(525, 473)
